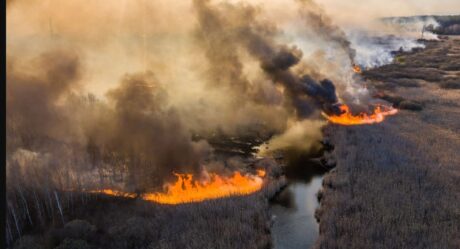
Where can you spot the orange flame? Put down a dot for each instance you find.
(357, 69)
(114, 193)
(186, 189)
(347, 118)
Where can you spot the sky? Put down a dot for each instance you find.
(391, 7)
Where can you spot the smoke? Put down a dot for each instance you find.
(9, 2)
(373, 51)
(257, 38)
(321, 24)
(41, 120)
(136, 81)
(50, 122)
(148, 133)
(248, 102)
(34, 91)
(376, 47)
(300, 138)
(415, 27)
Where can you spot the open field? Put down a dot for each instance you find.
(397, 183)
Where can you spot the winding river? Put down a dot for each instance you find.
(294, 207)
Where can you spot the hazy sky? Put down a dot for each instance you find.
(117, 27)
(391, 7)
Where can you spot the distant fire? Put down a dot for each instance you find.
(347, 118)
(357, 69)
(186, 189)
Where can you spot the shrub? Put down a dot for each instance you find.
(136, 232)
(404, 82)
(27, 242)
(78, 229)
(74, 244)
(450, 84)
(410, 105)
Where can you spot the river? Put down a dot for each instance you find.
(294, 207)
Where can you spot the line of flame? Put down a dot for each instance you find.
(186, 189)
(347, 118)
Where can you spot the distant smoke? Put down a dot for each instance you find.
(322, 25)
(374, 51)
(415, 27)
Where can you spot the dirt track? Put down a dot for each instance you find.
(397, 184)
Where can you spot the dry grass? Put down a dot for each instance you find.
(396, 184)
(450, 84)
(116, 223)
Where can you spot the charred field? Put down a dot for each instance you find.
(396, 184)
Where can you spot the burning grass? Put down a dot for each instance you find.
(357, 69)
(186, 189)
(117, 220)
(348, 118)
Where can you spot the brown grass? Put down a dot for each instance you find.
(396, 184)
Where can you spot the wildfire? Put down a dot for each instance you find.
(347, 118)
(357, 69)
(114, 193)
(186, 189)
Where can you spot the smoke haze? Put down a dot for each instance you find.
(112, 94)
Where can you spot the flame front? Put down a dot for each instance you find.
(357, 69)
(347, 118)
(186, 189)
(114, 193)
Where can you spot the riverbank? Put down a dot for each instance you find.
(396, 184)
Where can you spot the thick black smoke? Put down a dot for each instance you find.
(149, 134)
(276, 60)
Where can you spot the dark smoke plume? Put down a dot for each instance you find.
(32, 96)
(255, 105)
(42, 133)
(276, 60)
(149, 134)
(62, 137)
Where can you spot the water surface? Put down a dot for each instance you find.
(295, 225)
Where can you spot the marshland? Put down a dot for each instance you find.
(232, 124)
